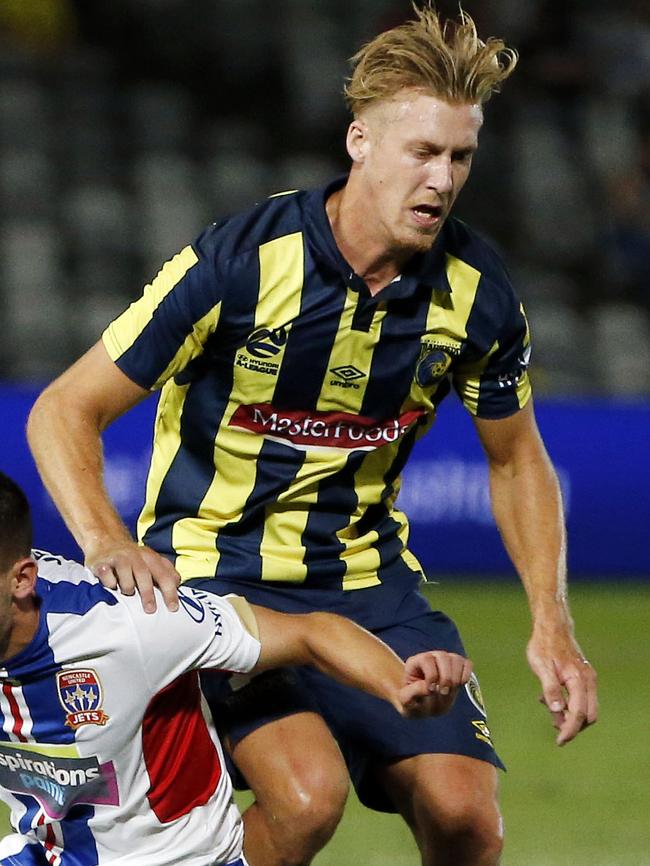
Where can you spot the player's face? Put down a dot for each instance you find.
(412, 155)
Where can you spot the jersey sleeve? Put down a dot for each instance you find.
(205, 632)
(159, 334)
(495, 384)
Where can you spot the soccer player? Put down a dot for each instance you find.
(106, 755)
(302, 348)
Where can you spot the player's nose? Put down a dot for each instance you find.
(440, 174)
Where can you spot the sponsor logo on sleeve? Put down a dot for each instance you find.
(196, 602)
(191, 605)
(81, 695)
(340, 430)
(57, 781)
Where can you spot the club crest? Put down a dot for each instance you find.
(473, 690)
(436, 355)
(80, 693)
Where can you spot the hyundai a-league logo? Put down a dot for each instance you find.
(266, 342)
(80, 693)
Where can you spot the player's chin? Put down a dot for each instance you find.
(420, 240)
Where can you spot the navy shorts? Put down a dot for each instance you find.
(369, 731)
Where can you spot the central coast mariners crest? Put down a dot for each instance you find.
(81, 695)
(436, 355)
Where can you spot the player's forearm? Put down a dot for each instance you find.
(336, 646)
(65, 441)
(365, 663)
(527, 506)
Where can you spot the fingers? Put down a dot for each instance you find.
(432, 682)
(582, 704)
(132, 567)
(570, 695)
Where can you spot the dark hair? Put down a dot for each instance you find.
(15, 522)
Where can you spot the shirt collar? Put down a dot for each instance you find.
(426, 269)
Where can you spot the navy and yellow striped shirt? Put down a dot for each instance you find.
(291, 398)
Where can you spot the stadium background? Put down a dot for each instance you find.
(125, 126)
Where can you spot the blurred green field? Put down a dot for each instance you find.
(587, 804)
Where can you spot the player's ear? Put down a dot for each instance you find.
(23, 577)
(357, 140)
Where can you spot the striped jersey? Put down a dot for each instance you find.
(107, 752)
(291, 397)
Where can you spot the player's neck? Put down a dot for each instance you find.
(21, 633)
(358, 241)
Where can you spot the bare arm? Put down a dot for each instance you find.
(426, 684)
(528, 510)
(64, 433)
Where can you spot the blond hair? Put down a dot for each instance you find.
(448, 59)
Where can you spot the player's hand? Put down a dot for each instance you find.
(432, 681)
(129, 566)
(568, 682)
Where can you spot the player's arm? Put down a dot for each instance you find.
(425, 684)
(64, 433)
(527, 507)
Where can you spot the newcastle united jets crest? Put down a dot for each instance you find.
(80, 693)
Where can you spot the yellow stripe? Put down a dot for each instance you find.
(167, 442)
(524, 390)
(281, 280)
(192, 346)
(122, 333)
(469, 384)
(193, 537)
(282, 546)
(361, 558)
(351, 349)
(448, 312)
(237, 451)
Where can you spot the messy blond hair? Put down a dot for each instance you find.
(445, 58)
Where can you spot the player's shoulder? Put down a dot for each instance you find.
(278, 216)
(65, 586)
(470, 246)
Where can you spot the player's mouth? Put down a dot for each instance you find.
(427, 215)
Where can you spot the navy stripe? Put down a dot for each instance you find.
(395, 356)
(192, 470)
(173, 319)
(496, 312)
(239, 542)
(310, 342)
(377, 516)
(337, 500)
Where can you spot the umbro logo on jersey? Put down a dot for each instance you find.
(346, 376)
(347, 372)
(80, 693)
